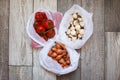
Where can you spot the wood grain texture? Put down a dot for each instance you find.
(112, 48)
(46, 4)
(20, 52)
(4, 23)
(112, 15)
(20, 73)
(4, 71)
(92, 53)
(38, 72)
(63, 6)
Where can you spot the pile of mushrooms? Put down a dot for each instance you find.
(76, 28)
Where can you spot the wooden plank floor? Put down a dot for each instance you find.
(112, 63)
(20, 52)
(100, 56)
(4, 47)
(112, 16)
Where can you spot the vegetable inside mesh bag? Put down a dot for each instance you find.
(88, 27)
(53, 66)
(52, 15)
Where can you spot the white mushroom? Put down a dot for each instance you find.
(75, 22)
(74, 38)
(81, 31)
(80, 19)
(73, 32)
(75, 15)
(68, 31)
(82, 24)
(71, 19)
(72, 28)
(77, 27)
(79, 36)
(70, 35)
(77, 32)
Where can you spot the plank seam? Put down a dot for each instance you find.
(21, 65)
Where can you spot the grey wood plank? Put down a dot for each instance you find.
(20, 52)
(38, 72)
(112, 49)
(46, 4)
(112, 15)
(4, 75)
(20, 73)
(92, 54)
(64, 5)
(4, 23)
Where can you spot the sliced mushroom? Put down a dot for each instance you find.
(73, 32)
(80, 19)
(79, 36)
(74, 38)
(77, 31)
(70, 36)
(75, 15)
(68, 31)
(75, 22)
(72, 28)
(81, 23)
(81, 31)
(77, 27)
